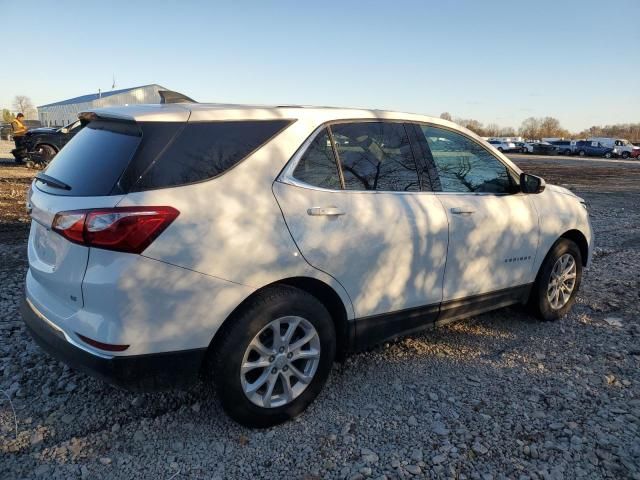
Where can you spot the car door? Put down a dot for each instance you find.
(355, 206)
(493, 228)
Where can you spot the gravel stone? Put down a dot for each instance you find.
(413, 469)
(479, 448)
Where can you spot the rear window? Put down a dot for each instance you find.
(205, 150)
(93, 161)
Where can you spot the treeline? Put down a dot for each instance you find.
(546, 127)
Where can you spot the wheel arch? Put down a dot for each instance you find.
(577, 237)
(320, 290)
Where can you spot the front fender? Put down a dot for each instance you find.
(560, 211)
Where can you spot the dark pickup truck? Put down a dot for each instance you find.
(43, 144)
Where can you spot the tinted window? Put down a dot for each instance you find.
(155, 138)
(205, 150)
(94, 159)
(375, 156)
(318, 164)
(464, 165)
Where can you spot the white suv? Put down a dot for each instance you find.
(257, 244)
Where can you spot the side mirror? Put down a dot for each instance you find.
(531, 183)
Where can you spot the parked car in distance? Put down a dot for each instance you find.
(5, 131)
(521, 147)
(623, 148)
(543, 148)
(594, 149)
(564, 147)
(44, 143)
(503, 146)
(251, 245)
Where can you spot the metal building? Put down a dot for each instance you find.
(65, 112)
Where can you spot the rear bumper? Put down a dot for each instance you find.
(150, 372)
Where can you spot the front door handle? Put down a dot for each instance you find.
(462, 210)
(325, 211)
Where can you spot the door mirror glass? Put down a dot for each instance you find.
(531, 183)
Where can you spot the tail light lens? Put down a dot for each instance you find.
(124, 229)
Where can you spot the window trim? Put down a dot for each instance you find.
(513, 175)
(286, 175)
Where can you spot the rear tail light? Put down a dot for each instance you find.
(124, 229)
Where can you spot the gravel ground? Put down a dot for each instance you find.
(500, 395)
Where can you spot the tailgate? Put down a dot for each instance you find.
(56, 265)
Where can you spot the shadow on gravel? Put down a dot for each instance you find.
(14, 232)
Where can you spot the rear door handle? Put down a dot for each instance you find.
(325, 211)
(462, 211)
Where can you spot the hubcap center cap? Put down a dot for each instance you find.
(281, 360)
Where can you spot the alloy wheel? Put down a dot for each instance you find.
(280, 362)
(562, 281)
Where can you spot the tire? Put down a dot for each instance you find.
(253, 323)
(500, 149)
(45, 153)
(542, 294)
(608, 155)
(625, 155)
(582, 153)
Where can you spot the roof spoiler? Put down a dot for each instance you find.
(168, 96)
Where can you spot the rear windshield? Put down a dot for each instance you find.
(117, 157)
(93, 161)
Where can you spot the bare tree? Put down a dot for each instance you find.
(473, 125)
(629, 131)
(446, 116)
(547, 127)
(530, 128)
(550, 127)
(24, 105)
(507, 132)
(493, 130)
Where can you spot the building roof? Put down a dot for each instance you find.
(94, 96)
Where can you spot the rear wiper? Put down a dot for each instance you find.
(52, 182)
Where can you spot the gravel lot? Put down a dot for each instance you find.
(500, 395)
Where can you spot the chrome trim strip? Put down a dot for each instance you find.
(70, 340)
(286, 176)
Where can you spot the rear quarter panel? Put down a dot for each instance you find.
(231, 227)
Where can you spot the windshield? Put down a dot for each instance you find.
(71, 126)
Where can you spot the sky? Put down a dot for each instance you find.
(495, 61)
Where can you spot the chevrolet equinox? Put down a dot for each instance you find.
(254, 245)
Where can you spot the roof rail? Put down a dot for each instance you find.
(169, 96)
